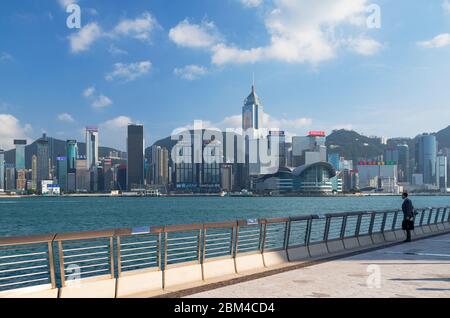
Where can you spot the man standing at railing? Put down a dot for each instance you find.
(408, 216)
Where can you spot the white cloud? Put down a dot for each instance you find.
(446, 6)
(139, 28)
(202, 35)
(251, 3)
(88, 92)
(190, 72)
(439, 41)
(65, 117)
(364, 46)
(114, 132)
(116, 51)
(65, 3)
(129, 72)
(101, 101)
(300, 31)
(83, 39)
(10, 129)
(97, 100)
(5, 56)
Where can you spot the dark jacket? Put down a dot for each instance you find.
(407, 208)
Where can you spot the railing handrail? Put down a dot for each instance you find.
(66, 236)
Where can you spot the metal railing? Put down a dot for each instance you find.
(55, 260)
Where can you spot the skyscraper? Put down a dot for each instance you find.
(20, 153)
(426, 153)
(34, 173)
(21, 180)
(72, 155)
(61, 169)
(252, 112)
(2, 170)
(43, 161)
(91, 147)
(404, 174)
(278, 138)
(135, 162)
(441, 172)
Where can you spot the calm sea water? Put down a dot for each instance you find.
(27, 216)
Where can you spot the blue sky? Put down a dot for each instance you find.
(317, 66)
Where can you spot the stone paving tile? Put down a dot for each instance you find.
(417, 269)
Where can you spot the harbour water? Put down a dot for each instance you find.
(39, 215)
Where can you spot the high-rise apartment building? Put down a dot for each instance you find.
(159, 166)
(135, 163)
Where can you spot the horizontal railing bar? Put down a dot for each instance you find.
(137, 265)
(86, 260)
(23, 275)
(22, 269)
(138, 243)
(138, 248)
(217, 244)
(24, 262)
(218, 240)
(84, 248)
(138, 254)
(182, 238)
(247, 244)
(218, 248)
(91, 272)
(182, 248)
(138, 259)
(86, 254)
(22, 255)
(184, 253)
(90, 266)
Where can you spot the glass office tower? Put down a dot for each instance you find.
(426, 153)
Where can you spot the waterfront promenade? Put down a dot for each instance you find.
(417, 269)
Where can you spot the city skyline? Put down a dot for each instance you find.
(134, 63)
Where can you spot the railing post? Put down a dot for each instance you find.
(327, 228)
(111, 255)
(308, 232)
(262, 236)
(203, 246)
(119, 257)
(372, 222)
(429, 216)
(358, 225)
(199, 246)
(159, 247)
(61, 264)
(422, 217)
(237, 240)
(287, 235)
(232, 240)
(51, 262)
(383, 222)
(443, 215)
(394, 221)
(343, 226)
(438, 210)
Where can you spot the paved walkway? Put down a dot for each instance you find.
(417, 269)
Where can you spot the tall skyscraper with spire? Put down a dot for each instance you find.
(252, 112)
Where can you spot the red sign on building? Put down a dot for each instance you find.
(317, 134)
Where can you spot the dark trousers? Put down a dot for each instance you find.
(408, 235)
